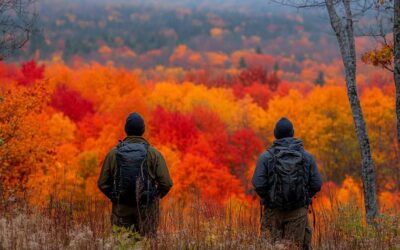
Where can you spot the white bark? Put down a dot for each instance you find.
(344, 32)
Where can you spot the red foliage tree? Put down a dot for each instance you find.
(197, 177)
(273, 81)
(260, 93)
(244, 148)
(256, 82)
(9, 71)
(90, 126)
(173, 128)
(251, 75)
(30, 72)
(214, 131)
(71, 103)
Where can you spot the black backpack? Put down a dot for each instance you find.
(132, 182)
(289, 183)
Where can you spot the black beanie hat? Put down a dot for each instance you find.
(283, 128)
(134, 124)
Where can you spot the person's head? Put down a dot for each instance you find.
(283, 128)
(134, 125)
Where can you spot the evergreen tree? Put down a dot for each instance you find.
(320, 79)
(242, 63)
(276, 66)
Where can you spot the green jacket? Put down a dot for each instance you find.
(157, 169)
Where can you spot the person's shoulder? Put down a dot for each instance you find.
(153, 150)
(112, 152)
(308, 156)
(266, 155)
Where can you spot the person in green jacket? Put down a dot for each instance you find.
(143, 220)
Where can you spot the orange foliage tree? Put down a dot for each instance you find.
(54, 133)
(25, 144)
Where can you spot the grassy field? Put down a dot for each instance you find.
(86, 225)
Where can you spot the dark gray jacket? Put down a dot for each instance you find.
(263, 173)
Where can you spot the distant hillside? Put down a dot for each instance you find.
(93, 30)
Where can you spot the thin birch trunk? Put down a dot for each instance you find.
(344, 32)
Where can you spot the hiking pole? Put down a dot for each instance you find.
(261, 216)
(313, 213)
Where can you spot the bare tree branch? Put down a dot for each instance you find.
(17, 23)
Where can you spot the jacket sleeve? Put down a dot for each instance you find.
(105, 180)
(315, 178)
(162, 176)
(260, 176)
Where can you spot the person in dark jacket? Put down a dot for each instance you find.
(283, 224)
(145, 221)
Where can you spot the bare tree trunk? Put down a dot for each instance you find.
(396, 67)
(344, 33)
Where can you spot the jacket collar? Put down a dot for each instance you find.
(135, 139)
(288, 142)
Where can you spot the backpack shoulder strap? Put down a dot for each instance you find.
(272, 151)
(144, 164)
(272, 161)
(147, 146)
(308, 166)
(120, 144)
(116, 172)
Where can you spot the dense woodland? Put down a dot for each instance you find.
(211, 84)
(73, 116)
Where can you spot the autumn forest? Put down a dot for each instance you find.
(211, 82)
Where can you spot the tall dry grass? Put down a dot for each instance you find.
(67, 224)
